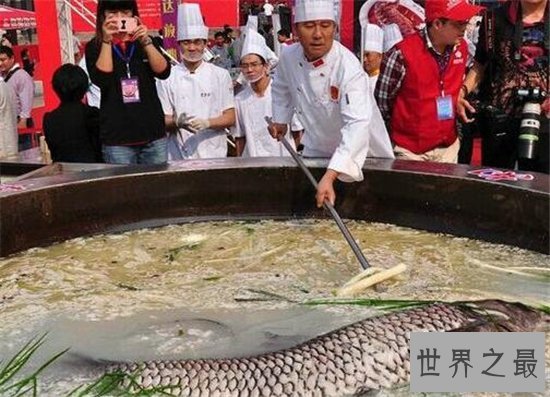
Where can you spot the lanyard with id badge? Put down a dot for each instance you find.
(129, 85)
(444, 103)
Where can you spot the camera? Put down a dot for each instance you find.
(126, 24)
(534, 94)
(530, 121)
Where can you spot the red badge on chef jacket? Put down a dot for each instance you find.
(318, 62)
(334, 93)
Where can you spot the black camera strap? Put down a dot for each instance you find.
(489, 27)
(11, 73)
(489, 21)
(518, 34)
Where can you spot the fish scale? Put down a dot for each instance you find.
(369, 354)
(328, 364)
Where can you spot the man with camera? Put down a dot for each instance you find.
(197, 99)
(419, 82)
(511, 71)
(123, 62)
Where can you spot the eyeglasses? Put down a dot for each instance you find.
(252, 65)
(195, 42)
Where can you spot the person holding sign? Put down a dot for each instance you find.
(420, 80)
(123, 62)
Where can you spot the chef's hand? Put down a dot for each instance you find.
(276, 130)
(183, 120)
(199, 124)
(325, 188)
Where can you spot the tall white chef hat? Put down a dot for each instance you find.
(252, 22)
(190, 22)
(254, 43)
(392, 36)
(314, 10)
(373, 38)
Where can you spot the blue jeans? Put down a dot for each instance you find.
(154, 152)
(25, 142)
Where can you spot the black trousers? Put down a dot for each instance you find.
(466, 133)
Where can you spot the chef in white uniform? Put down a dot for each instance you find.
(253, 103)
(372, 39)
(271, 58)
(8, 126)
(197, 98)
(325, 84)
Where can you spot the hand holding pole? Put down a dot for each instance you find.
(347, 235)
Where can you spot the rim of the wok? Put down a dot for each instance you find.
(74, 200)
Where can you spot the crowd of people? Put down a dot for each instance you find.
(404, 98)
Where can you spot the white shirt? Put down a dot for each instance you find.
(93, 95)
(372, 82)
(8, 121)
(251, 111)
(22, 84)
(336, 107)
(204, 94)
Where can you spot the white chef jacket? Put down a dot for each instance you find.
(8, 121)
(206, 93)
(333, 101)
(251, 111)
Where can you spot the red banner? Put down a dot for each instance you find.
(14, 18)
(149, 12)
(49, 48)
(169, 17)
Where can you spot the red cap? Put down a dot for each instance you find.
(457, 10)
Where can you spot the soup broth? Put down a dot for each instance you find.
(232, 288)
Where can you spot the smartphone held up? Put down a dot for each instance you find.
(126, 24)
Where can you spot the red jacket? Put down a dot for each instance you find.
(414, 123)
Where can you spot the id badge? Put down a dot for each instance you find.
(444, 108)
(130, 90)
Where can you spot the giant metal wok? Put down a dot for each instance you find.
(428, 196)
